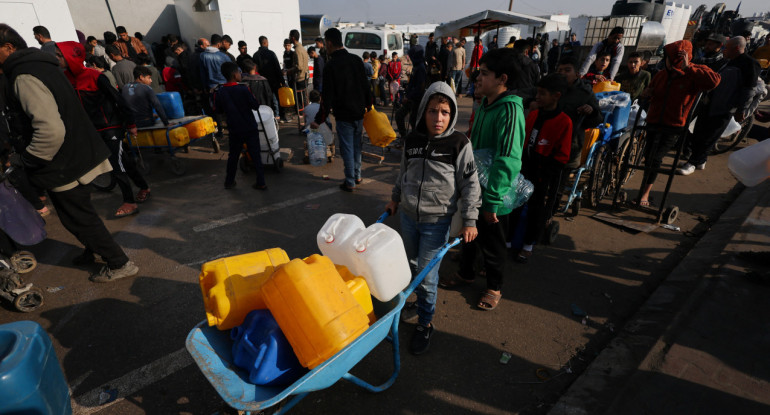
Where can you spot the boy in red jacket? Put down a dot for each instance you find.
(546, 151)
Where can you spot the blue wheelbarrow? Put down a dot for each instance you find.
(211, 349)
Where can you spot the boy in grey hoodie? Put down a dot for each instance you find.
(437, 178)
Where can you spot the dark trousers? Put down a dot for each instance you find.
(252, 146)
(409, 109)
(541, 204)
(123, 165)
(491, 242)
(78, 216)
(659, 143)
(708, 129)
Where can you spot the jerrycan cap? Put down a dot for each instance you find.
(362, 245)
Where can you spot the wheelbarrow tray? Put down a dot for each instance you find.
(211, 350)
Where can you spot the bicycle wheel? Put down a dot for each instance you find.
(725, 144)
(104, 182)
(600, 179)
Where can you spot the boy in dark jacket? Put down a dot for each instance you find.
(258, 84)
(547, 151)
(437, 178)
(236, 102)
(599, 71)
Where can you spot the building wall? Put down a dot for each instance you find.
(24, 15)
(153, 18)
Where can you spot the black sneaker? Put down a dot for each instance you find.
(420, 339)
(409, 312)
(107, 275)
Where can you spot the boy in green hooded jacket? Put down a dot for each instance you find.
(499, 126)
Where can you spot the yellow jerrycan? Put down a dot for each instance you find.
(231, 286)
(286, 97)
(606, 86)
(178, 136)
(314, 308)
(201, 128)
(378, 128)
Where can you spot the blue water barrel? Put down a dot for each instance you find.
(260, 347)
(31, 380)
(172, 104)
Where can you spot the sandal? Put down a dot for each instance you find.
(489, 300)
(644, 203)
(126, 209)
(454, 281)
(142, 195)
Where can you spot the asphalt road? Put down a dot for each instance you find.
(125, 340)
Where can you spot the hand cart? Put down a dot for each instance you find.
(631, 162)
(176, 164)
(270, 156)
(211, 351)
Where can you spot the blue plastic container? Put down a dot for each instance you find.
(31, 380)
(172, 104)
(260, 348)
(618, 119)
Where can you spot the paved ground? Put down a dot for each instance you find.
(127, 338)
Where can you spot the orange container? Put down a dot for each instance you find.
(201, 128)
(592, 134)
(378, 128)
(359, 289)
(286, 97)
(606, 86)
(178, 136)
(314, 308)
(231, 286)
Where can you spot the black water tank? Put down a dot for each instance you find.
(632, 8)
(659, 7)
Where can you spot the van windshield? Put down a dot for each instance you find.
(394, 42)
(358, 40)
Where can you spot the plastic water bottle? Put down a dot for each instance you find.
(316, 148)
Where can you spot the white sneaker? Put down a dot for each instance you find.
(701, 166)
(686, 170)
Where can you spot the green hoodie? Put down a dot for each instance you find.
(500, 127)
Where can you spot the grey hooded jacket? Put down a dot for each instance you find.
(438, 174)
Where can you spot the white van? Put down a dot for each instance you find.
(383, 41)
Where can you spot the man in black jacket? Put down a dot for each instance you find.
(346, 92)
(431, 50)
(63, 150)
(268, 66)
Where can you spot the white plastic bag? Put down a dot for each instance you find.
(731, 128)
(452, 84)
(634, 111)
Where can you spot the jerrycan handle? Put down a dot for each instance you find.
(361, 247)
(329, 238)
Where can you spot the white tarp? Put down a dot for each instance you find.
(488, 20)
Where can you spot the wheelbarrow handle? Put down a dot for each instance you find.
(433, 262)
(383, 216)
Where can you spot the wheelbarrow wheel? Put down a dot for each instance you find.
(599, 182)
(670, 215)
(23, 262)
(552, 232)
(104, 182)
(725, 144)
(244, 163)
(29, 300)
(178, 166)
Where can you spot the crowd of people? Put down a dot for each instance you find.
(70, 104)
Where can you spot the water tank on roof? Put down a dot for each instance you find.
(659, 8)
(632, 8)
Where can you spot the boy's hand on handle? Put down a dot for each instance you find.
(490, 217)
(391, 208)
(468, 233)
(133, 131)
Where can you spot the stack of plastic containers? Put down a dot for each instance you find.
(178, 137)
(172, 104)
(31, 380)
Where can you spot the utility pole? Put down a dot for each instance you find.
(510, 5)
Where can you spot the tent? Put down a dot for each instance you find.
(488, 20)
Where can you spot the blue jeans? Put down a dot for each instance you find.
(350, 136)
(422, 242)
(458, 77)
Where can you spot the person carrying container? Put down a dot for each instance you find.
(236, 101)
(672, 93)
(547, 151)
(437, 178)
(499, 127)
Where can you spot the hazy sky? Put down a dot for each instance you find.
(421, 11)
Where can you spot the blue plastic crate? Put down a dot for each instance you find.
(618, 118)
